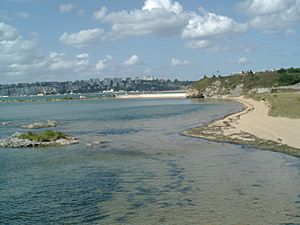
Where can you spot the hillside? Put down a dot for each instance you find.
(244, 83)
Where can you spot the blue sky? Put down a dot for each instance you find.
(43, 40)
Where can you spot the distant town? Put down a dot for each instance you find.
(106, 85)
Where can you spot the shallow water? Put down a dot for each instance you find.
(145, 172)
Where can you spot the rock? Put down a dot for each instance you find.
(193, 93)
(94, 143)
(238, 91)
(49, 123)
(69, 141)
(99, 142)
(215, 90)
(15, 142)
(5, 123)
(89, 145)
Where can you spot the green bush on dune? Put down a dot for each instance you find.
(282, 77)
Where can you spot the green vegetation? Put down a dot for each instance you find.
(289, 76)
(46, 136)
(282, 104)
(282, 77)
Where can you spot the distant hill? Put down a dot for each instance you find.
(245, 82)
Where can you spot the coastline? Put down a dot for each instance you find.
(153, 96)
(253, 126)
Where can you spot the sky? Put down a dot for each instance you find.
(52, 40)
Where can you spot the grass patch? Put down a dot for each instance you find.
(282, 104)
(46, 136)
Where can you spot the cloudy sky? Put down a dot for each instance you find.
(46, 40)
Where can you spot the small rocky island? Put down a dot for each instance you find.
(34, 139)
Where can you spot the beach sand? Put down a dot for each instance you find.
(254, 126)
(164, 95)
(256, 121)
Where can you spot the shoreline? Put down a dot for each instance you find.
(252, 126)
(153, 96)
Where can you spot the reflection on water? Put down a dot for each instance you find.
(145, 173)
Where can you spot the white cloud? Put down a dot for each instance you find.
(82, 59)
(167, 18)
(261, 7)
(211, 25)
(210, 46)
(178, 62)
(14, 49)
(132, 61)
(163, 17)
(82, 38)
(21, 60)
(104, 64)
(167, 5)
(198, 44)
(66, 8)
(8, 32)
(18, 56)
(100, 14)
(272, 15)
(59, 61)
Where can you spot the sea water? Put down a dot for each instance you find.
(143, 172)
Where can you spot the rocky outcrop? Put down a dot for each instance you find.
(194, 93)
(49, 123)
(213, 90)
(15, 142)
(237, 91)
(216, 89)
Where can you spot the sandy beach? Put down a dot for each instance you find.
(253, 125)
(162, 95)
(256, 121)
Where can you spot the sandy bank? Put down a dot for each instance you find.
(254, 126)
(164, 95)
(257, 122)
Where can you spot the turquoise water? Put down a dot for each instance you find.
(145, 172)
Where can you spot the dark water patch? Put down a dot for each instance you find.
(126, 152)
(145, 191)
(165, 205)
(130, 197)
(150, 199)
(116, 131)
(185, 202)
(57, 201)
(289, 223)
(82, 132)
(186, 189)
(154, 111)
(137, 205)
(122, 219)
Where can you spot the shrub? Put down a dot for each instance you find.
(46, 136)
